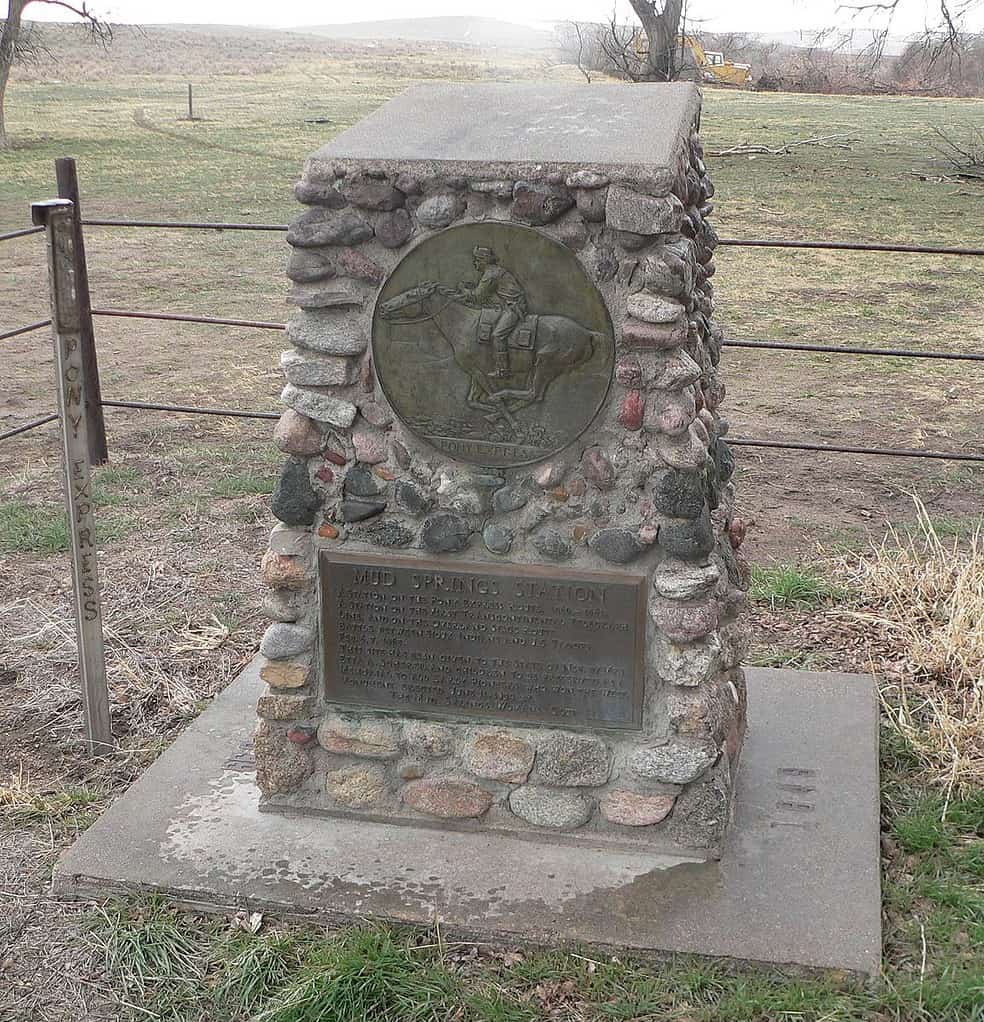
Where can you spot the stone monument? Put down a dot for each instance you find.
(504, 591)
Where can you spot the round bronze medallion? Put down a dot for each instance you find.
(492, 344)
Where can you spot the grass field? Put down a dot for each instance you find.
(183, 512)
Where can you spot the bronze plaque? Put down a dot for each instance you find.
(484, 640)
(492, 344)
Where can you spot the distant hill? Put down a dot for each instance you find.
(482, 32)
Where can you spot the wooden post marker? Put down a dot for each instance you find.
(66, 322)
(68, 188)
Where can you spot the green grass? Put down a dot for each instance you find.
(32, 528)
(75, 806)
(798, 659)
(243, 484)
(26, 527)
(791, 586)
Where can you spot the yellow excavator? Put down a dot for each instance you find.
(708, 65)
(712, 65)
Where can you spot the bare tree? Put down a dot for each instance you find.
(18, 42)
(947, 35)
(660, 20)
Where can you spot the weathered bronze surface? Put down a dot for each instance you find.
(492, 344)
(483, 640)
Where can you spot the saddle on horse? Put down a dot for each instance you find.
(523, 335)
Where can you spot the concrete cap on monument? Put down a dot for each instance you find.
(513, 129)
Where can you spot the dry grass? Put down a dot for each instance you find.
(924, 598)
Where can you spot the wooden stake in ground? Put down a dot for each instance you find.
(66, 329)
(68, 188)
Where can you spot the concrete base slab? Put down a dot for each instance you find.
(798, 883)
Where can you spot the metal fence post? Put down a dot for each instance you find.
(66, 329)
(68, 188)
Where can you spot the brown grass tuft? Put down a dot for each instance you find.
(924, 599)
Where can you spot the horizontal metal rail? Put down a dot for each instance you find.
(849, 349)
(778, 344)
(888, 452)
(33, 424)
(789, 445)
(21, 233)
(184, 225)
(846, 246)
(24, 329)
(148, 406)
(178, 317)
(851, 246)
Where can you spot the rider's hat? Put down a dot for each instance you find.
(484, 252)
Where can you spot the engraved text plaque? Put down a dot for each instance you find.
(490, 641)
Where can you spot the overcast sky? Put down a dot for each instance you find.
(715, 15)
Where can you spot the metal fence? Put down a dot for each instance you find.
(68, 188)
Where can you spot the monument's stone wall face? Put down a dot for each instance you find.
(389, 518)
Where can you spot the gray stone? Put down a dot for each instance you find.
(681, 581)
(500, 188)
(678, 493)
(367, 738)
(294, 501)
(394, 229)
(281, 766)
(319, 407)
(701, 813)
(690, 538)
(687, 664)
(438, 211)
(356, 787)
(538, 205)
(297, 434)
(326, 195)
(318, 371)
(588, 179)
(284, 605)
(360, 510)
(725, 460)
(428, 740)
(307, 265)
(446, 533)
(328, 227)
(412, 498)
(591, 204)
(653, 309)
(542, 807)
(499, 756)
(282, 640)
(552, 545)
(327, 296)
(326, 333)
(498, 538)
(616, 545)
(368, 193)
(640, 214)
(510, 498)
(389, 533)
(573, 761)
(286, 539)
(363, 482)
(676, 762)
